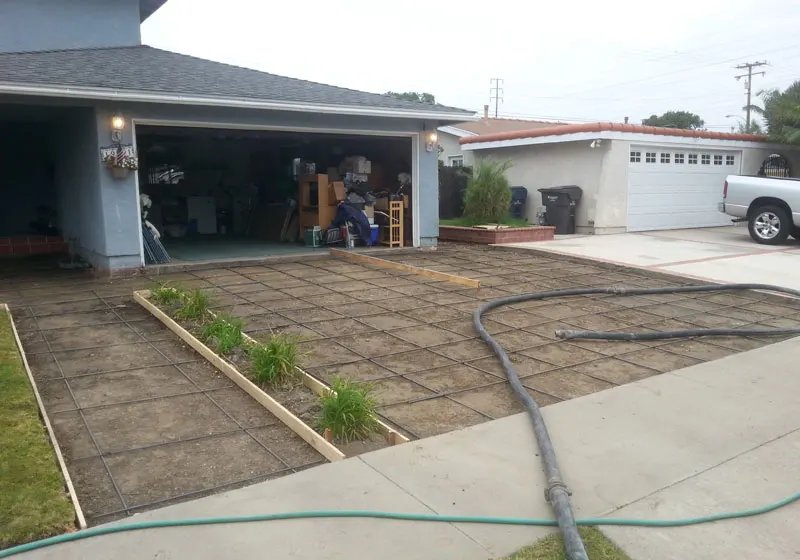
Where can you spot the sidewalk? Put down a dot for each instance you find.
(711, 438)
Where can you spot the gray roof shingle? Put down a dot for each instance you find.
(143, 68)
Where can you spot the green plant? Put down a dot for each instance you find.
(274, 361)
(225, 332)
(349, 410)
(166, 295)
(781, 113)
(194, 306)
(488, 193)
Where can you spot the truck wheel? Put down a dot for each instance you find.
(769, 225)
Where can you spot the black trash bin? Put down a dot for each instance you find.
(519, 198)
(560, 204)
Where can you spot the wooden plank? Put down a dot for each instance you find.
(469, 282)
(51, 434)
(310, 436)
(320, 389)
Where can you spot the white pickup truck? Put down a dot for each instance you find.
(770, 205)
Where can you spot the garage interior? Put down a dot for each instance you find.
(227, 193)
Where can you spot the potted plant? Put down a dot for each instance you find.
(121, 161)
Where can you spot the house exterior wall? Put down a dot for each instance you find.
(753, 158)
(450, 147)
(611, 198)
(37, 25)
(552, 165)
(80, 204)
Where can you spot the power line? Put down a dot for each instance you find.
(749, 84)
(496, 93)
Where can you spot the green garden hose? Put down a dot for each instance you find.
(329, 514)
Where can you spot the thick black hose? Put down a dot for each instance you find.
(601, 335)
(556, 491)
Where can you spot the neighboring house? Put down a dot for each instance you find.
(634, 177)
(71, 71)
(450, 152)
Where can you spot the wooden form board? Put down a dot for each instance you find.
(299, 427)
(51, 434)
(469, 282)
(393, 437)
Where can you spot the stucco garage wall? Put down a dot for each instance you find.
(451, 147)
(552, 165)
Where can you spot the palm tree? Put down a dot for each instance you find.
(781, 113)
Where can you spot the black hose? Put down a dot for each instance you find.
(556, 491)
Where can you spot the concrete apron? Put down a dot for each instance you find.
(713, 437)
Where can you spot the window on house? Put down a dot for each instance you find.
(705, 159)
(730, 160)
(679, 158)
(650, 157)
(717, 160)
(692, 159)
(455, 161)
(636, 157)
(665, 157)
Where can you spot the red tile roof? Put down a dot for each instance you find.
(491, 125)
(607, 127)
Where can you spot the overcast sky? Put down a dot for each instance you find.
(569, 60)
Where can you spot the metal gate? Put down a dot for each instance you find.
(775, 166)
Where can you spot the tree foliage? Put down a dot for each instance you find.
(676, 119)
(488, 196)
(413, 96)
(781, 113)
(754, 128)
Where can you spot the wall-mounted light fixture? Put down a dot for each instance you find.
(595, 143)
(117, 126)
(431, 141)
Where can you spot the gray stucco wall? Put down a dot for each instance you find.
(80, 205)
(451, 147)
(552, 165)
(35, 25)
(752, 159)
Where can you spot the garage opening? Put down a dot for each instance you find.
(223, 194)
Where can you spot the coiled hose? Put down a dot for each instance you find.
(556, 492)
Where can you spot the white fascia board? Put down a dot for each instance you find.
(633, 137)
(175, 99)
(454, 131)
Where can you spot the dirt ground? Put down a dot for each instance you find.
(143, 420)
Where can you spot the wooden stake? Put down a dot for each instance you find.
(59, 456)
(469, 282)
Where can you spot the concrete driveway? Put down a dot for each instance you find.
(723, 254)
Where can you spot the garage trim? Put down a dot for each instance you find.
(415, 144)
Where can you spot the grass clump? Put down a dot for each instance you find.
(488, 193)
(224, 332)
(33, 502)
(349, 410)
(274, 362)
(598, 547)
(167, 295)
(194, 306)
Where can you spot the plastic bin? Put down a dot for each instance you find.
(519, 200)
(560, 204)
(375, 229)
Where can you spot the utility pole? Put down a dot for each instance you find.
(496, 93)
(748, 86)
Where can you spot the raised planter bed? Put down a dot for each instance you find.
(491, 236)
(289, 405)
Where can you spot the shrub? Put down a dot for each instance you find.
(274, 361)
(349, 410)
(488, 196)
(225, 332)
(194, 306)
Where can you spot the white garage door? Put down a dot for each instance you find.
(672, 188)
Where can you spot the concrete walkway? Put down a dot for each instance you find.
(710, 438)
(723, 254)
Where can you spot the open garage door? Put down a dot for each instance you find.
(673, 188)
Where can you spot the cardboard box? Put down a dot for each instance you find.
(383, 203)
(369, 211)
(339, 191)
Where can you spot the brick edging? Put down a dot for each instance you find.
(495, 236)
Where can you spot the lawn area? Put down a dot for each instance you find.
(469, 222)
(598, 547)
(33, 501)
